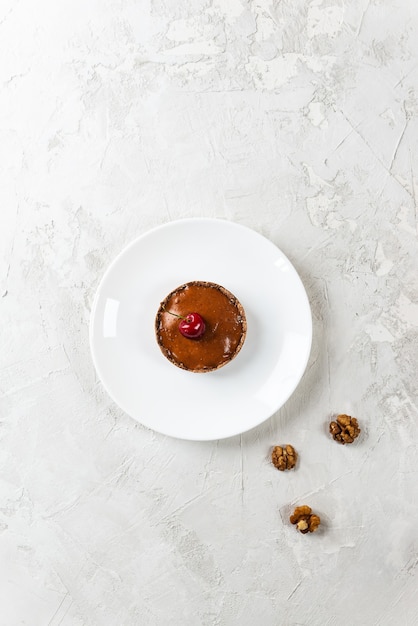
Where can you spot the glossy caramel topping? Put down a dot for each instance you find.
(225, 326)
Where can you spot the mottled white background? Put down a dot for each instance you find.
(298, 118)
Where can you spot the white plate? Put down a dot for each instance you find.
(243, 393)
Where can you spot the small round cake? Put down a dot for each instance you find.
(200, 326)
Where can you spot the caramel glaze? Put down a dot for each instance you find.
(225, 326)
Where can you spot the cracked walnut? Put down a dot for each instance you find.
(305, 520)
(284, 457)
(345, 429)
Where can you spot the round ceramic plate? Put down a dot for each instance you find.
(238, 396)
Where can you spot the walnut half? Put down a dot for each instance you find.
(305, 520)
(345, 429)
(284, 457)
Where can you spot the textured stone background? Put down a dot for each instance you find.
(298, 118)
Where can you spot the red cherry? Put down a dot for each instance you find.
(192, 326)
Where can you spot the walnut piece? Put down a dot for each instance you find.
(305, 520)
(284, 457)
(345, 429)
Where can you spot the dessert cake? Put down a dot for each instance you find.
(200, 326)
